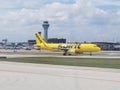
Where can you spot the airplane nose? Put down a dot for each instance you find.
(99, 49)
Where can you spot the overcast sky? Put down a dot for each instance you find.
(75, 20)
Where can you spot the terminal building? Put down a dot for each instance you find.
(108, 46)
(50, 40)
(56, 40)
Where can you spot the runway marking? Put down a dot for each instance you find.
(61, 75)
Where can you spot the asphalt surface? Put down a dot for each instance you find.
(43, 53)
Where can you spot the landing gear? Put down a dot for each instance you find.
(90, 53)
(65, 53)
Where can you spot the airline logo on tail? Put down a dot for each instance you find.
(39, 39)
(36, 34)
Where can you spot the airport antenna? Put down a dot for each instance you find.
(45, 26)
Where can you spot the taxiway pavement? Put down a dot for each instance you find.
(36, 53)
(24, 76)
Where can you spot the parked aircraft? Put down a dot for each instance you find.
(68, 49)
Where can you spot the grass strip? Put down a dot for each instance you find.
(87, 62)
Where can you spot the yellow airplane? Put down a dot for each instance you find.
(68, 49)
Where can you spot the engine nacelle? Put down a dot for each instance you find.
(71, 51)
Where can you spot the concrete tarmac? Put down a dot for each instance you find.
(23, 76)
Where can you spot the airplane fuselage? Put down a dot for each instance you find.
(69, 49)
(78, 48)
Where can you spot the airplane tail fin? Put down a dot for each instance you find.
(39, 39)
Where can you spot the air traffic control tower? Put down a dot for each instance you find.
(45, 26)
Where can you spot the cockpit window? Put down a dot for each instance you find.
(96, 46)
